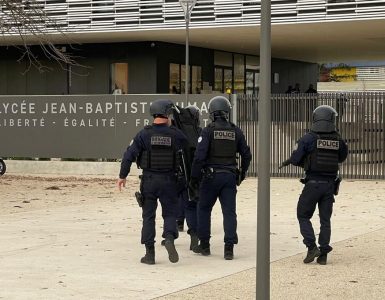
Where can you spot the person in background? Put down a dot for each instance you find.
(311, 90)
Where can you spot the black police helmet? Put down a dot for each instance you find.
(161, 108)
(194, 111)
(324, 119)
(219, 106)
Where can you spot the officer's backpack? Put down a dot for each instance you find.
(186, 122)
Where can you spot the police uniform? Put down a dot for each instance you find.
(319, 152)
(215, 156)
(155, 148)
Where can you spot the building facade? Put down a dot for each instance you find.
(137, 46)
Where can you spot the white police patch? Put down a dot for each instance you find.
(132, 141)
(199, 139)
(161, 140)
(328, 144)
(224, 135)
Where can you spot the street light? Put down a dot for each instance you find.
(263, 205)
(187, 6)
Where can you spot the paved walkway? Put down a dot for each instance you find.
(83, 243)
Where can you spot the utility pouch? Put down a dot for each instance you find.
(337, 183)
(208, 173)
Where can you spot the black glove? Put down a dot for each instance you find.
(243, 176)
(285, 163)
(193, 188)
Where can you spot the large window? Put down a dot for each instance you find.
(223, 79)
(196, 80)
(239, 74)
(252, 75)
(236, 73)
(177, 81)
(119, 78)
(174, 86)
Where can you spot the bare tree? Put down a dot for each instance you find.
(25, 23)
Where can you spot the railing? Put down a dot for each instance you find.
(116, 15)
(360, 121)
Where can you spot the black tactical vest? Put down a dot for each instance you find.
(162, 154)
(324, 157)
(223, 147)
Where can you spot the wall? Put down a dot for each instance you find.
(292, 72)
(90, 76)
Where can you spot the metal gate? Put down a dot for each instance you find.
(360, 122)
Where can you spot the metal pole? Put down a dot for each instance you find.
(264, 119)
(187, 69)
(234, 110)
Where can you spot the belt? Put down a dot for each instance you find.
(318, 181)
(159, 175)
(224, 171)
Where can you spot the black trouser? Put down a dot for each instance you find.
(316, 192)
(164, 188)
(222, 186)
(189, 211)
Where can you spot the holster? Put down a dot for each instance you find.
(139, 198)
(337, 183)
(208, 173)
(138, 195)
(238, 176)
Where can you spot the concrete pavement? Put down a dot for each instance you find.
(87, 246)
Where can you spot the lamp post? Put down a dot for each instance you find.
(263, 205)
(187, 6)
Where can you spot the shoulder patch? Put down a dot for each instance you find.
(132, 141)
(200, 139)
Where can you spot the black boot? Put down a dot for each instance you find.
(203, 248)
(322, 259)
(193, 240)
(170, 247)
(229, 252)
(149, 258)
(312, 253)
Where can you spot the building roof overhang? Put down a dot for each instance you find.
(319, 42)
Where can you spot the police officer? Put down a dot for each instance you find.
(320, 151)
(187, 207)
(216, 157)
(155, 148)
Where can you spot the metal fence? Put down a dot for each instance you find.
(360, 122)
